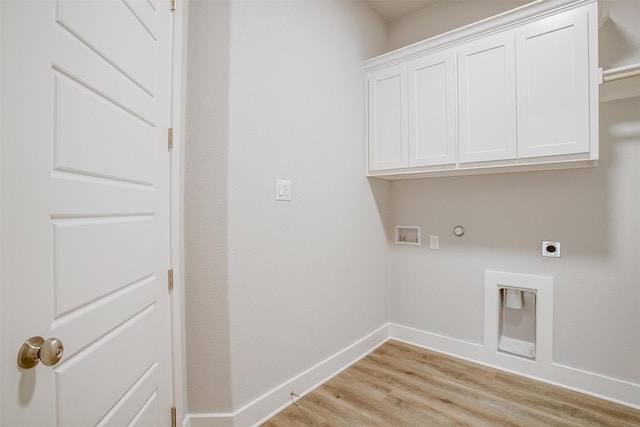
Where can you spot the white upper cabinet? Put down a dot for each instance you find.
(388, 146)
(412, 114)
(515, 92)
(432, 110)
(487, 99)
(552, 65)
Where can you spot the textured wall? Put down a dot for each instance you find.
(206, 217)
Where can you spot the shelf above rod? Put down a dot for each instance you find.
(626, 72)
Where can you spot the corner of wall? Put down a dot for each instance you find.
(205, 210)
(278, 398)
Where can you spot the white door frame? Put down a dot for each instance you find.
(176, 257)
(2, 363)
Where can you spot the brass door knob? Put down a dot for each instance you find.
(36, 350)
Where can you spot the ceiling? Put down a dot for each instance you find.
(394, 9)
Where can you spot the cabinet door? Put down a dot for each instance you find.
(552, 64)
(432, 110)
(487, 100)
(388, 141)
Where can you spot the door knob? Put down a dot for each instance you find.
(36, 350)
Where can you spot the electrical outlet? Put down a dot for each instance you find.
(550, 249)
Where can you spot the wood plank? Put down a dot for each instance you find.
(402, 385)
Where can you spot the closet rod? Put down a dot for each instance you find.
(621, 73)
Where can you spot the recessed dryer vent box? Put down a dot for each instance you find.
(408, 235)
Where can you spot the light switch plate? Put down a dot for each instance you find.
(434, 242)
(283, 190)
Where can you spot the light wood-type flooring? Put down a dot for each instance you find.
(403, 385)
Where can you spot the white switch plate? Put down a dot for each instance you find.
(283, 190)
(434, 242)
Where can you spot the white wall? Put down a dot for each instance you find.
(593, 212)
(206, 209)
(620, 35)
(277, 91)
(310, 276)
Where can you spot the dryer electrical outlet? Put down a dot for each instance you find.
(550, 249)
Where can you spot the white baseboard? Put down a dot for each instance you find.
(270, 403)
(600, 386)
(277, 399)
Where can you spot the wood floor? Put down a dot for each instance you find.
(402, 385)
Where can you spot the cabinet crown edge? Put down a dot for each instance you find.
(516, 17)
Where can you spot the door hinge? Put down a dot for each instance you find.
(174, 421)
(170, 138)
(174, 5)
(170, 277)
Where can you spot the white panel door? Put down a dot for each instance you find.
(432, 110)
(487, 100)
(85, 203)
(552, 65)
(388, 143)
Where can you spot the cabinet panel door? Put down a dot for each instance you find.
(487, 100)
(552, 64)
(388, 143)
(432, 110)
